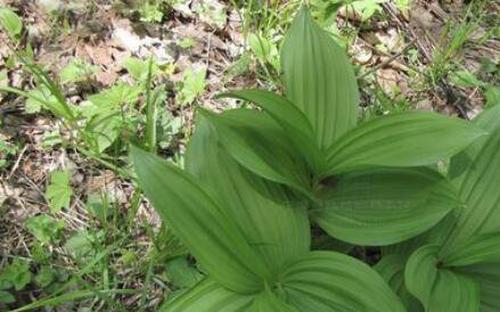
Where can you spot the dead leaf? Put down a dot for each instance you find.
(391, 39)
(361, 54)
(389, 80)
(107, 78)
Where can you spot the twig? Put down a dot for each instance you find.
(388, 61)
(18, 160)
(389, 7)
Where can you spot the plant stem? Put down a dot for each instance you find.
(150, 112)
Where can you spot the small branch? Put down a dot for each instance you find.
(18, 160)
(390, 8)
(388, 61)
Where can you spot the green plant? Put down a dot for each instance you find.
(104, 118)
(366, 183)
(192, 85)
(12, 23)
(7, 150)
(256, 179)
(254, 250)
(465, 78)
(76, 71)
(460, 258)
(151, 12)
(45, 228)
(453, 38)
(264, 50)
(364, 8)
(17, 274)
(59, 191)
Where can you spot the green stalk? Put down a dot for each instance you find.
(151, 114)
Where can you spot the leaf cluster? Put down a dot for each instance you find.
(257, 179)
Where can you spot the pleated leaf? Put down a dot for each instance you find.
(275, 226)
(488, 277)
(268, 302)
(319, 79)
(421, 272)
(479, 248)
(208, 296)
(329, 281)
(391, 268)
(454, 293)
(385, 206)
(210, 234)
(259, 144)
(488, 120)
(401, 140)
(439, 289)
(288, 116)
(476, 172)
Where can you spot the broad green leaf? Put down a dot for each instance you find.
(42, 97)
(112, 99)
(59, 191)
(454, 293)
(104, 114)
(193, 84)
(4, 283)
(137, 68)
(213, 13)
(477, 249)
(385, 206)
(460, 163)
(492, 95)
(33, 106)
(488, 277)
(401, 140)
(434, 236)
(208, 296)
(11, 22)
(267, 302)
(82, 244)
(319, 79)
(56, 106)
(181, 274)
(77, 70)
(6, 297)
(209, 233)
(421, 271)
(259, 144)
(104, 128)
(439, 289)
(17, 274)
(289, 117)
(45, 228)
(391, 268)
(45, 276)
(260, 46)
(151, 12)
(476, 173)
(465, 78)
(367, 8)
(329, 281)
(106, 131)
(272, 224)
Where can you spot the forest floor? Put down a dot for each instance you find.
(75, 232)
